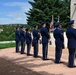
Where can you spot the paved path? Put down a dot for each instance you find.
(9, 68)
(37, 64)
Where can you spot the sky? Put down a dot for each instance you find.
(13, 11)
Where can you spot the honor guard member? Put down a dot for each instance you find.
(22, 39)
(28, 40)
(17, 39)
(36, 37)
(59, 39)
(71, 35)
(45, 38)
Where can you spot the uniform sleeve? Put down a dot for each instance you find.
(47, 34)
(19, 34)
(61, 36)
(30, 37)
(37, 35)
(24, 34)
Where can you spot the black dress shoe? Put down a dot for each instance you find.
(72, 66)
(17, 51)
(57, 62)
(35, 56)
(45, 59)
(22, 53)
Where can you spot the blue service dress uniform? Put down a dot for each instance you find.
(59, 39)
(17, 39)
(71, 35)
(28, 42)
(63, 46)
(22, 39)
(45, 38)
(36, 37)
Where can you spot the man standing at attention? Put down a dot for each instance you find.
(17, 38)
(22, 39)
(28, 40)
(71, 35)
(36, 37)
(59, 39)
(45, 37)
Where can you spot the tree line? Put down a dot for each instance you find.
(42, 10)
(8, 32)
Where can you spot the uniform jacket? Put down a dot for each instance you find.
(36, 36)
(45, 35)
(59, 38)
(17, 35)
(28, 38)
(71, 35)
(22, 36)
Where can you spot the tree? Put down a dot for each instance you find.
(42, 10)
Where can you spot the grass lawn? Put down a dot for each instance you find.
(7, 45)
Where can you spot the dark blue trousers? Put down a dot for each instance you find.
(71, 57)
(17, 46)
(22, 47)
(45, 50)
(58, 54)
(28, 48)
(36, 50)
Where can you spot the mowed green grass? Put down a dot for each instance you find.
(7, 45)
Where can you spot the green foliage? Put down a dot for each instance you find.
(7, 45)
(42, 10)
(8, 32)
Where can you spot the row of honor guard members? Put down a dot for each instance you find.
(59, 41)
(21, 36)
